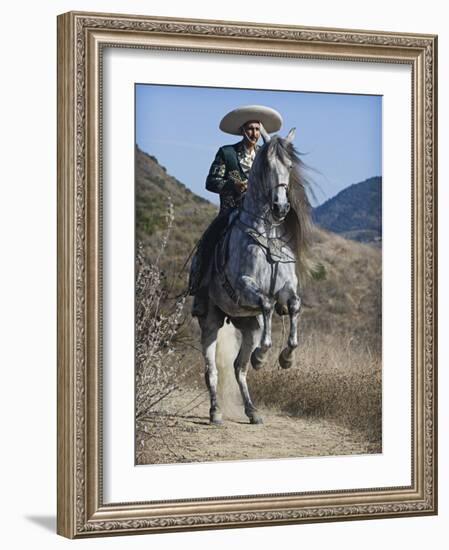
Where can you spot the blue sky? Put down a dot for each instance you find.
(339, 134)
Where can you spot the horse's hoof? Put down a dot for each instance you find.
(255, 419)
(216, 419)
(285, 359)
(256, 362)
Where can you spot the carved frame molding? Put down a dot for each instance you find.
(81, 39)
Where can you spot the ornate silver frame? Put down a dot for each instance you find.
(81, 37)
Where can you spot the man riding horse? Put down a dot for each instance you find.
(228, 176)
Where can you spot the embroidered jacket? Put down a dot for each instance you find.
(231, 161)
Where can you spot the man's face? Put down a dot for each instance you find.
(251, 132)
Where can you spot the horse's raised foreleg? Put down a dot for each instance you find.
(287, 354)
(259, 355)
(210, 326)
(251, 331)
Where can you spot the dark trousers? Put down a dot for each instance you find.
(205, 251)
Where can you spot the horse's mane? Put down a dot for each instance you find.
(299, 219)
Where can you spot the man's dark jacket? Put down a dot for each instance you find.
(225, 165)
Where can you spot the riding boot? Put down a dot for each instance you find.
(200, 303)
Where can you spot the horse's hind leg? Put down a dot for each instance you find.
(287, 354)
(210, 325)
(250, 338)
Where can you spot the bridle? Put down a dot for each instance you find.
(267, 196)
(280, 185)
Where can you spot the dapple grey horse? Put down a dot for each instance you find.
(266, 243)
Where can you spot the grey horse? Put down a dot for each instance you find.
(262, 259)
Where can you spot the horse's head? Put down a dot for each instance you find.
(276, 160)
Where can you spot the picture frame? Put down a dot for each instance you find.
(83, 39)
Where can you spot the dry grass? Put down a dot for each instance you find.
(334, 378)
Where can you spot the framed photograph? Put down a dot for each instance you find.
(246, 274)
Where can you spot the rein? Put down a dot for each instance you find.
(272, 246)
(262, 235)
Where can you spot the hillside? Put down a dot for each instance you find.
(345, 294)
(355, 212)
(155, 189)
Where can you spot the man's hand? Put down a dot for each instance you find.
(240, 185)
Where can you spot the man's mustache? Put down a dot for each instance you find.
(254, 139)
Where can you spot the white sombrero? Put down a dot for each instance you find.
(233, 121)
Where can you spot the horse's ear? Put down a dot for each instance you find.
(265, 135)
(291, 135)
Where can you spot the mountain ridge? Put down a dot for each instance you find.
(355, 212)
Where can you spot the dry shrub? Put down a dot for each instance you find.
(334, 377)
(157, 322)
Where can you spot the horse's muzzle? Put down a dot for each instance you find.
(279, 211)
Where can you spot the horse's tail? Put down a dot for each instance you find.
(228, 345)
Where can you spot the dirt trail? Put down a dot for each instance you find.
(183, 434)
